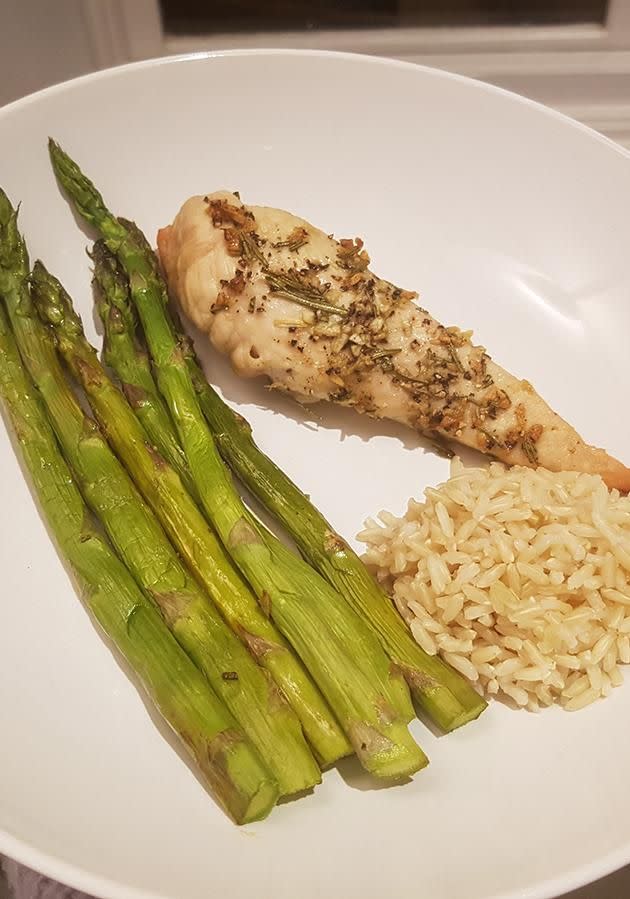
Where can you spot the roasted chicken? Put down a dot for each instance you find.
(285, 300)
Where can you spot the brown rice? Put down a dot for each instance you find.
(518, 578)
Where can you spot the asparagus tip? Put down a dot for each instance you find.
(13, 253)
(57, 155)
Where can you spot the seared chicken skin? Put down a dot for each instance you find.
(285, 300)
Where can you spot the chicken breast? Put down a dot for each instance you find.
(285, 300)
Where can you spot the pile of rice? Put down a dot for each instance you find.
(517, 578)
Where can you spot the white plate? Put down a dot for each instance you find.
(508, 218)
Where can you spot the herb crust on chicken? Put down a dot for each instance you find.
(283, 299)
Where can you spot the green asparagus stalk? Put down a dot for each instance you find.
(400, 693)
(242, 685)
(200, 548)
(443, 695)
(337, 646)
(123, 352)
(186, 525)
(252, 697)
(230, 767)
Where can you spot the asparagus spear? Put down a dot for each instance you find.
(198, 545)
(252, 697)
(242, 685)
(230, 767)
(400, 693)
(443, 694)
(337, 646)
(123, 352)
(185, 524)
(204, 554)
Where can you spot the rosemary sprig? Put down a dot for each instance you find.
(491, 438)
(529, 448)
(287, 286)
(296, 239)
(456, 360)
(291, 288)
(386, 352)
(251, 249)
(421, 382)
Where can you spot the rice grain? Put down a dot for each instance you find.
(518, 578)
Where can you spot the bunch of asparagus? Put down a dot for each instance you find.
(233, 770)
(302, 660)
